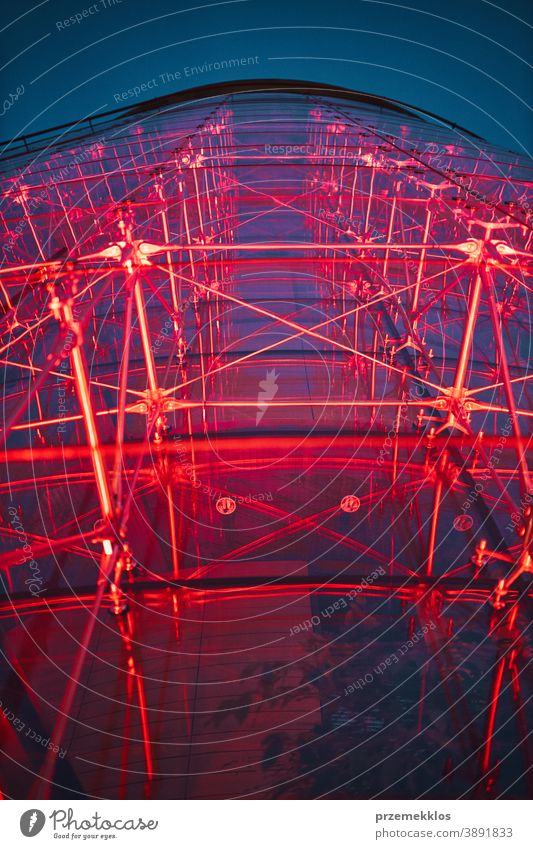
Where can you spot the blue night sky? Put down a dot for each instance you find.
(466, 60)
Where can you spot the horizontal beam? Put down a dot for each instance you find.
(354, 441)
(465, 589)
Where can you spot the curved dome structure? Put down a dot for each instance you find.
(266, 427)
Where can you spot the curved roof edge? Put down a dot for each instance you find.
(291, 86)
(29, 141)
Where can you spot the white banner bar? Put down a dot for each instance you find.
(266, 824)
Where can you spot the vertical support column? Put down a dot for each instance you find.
(107, 564)
(123, 382)
(173, 534)
(468, 333)
(418, 286)
(134, 672)
(188, 231)
(390, 231)
(520, 451)
(145, 333)
(79, 368)
(491, 716)
(175, 287)
(437, 500)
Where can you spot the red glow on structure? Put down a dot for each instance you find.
(241, 383)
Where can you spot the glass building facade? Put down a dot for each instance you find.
(266, 505)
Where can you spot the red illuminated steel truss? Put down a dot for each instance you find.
(242, 309)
